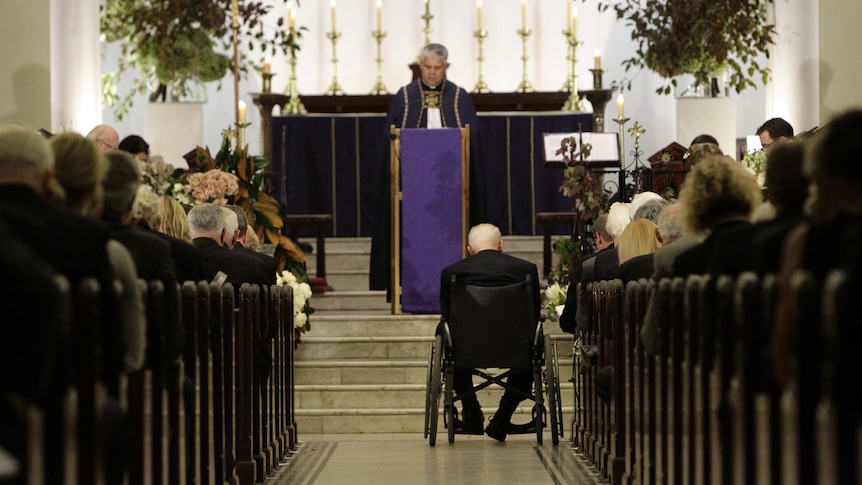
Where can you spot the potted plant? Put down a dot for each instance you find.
(699, 38)
(175, 44)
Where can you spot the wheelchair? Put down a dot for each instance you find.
(493, 328)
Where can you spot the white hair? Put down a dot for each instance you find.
(618, 218)
(639, 199)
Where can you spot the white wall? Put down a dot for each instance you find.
(840, 66)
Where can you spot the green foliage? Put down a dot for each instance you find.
(584, 186)
(181, 42)
(698, 37)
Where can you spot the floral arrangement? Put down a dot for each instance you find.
(158, 175)
(301, 299)
(554, 299)
(756, 162)
(214, 185)
(582, 185)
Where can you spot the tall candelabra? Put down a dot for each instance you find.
(379, 88)
(240, 130)
(334, 88)
(574, 103)
(481, 86)
(525, 83)
(294, 105)
(622, 122)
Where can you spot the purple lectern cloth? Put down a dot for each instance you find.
(431, 208)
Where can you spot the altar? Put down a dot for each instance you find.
(330, 163)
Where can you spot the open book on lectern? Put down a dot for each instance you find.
(605, 152)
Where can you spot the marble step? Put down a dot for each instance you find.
(398, 420)
(350, 372)
(357, 300)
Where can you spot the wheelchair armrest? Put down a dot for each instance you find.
(538, 338)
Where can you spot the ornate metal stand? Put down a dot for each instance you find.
(525, 85)
(598, 98)
(597, 77)
(334, 88)
(379, 88)
(481, 87)
(427, 17)
(574, 103)
(294, 106)
(640, 174)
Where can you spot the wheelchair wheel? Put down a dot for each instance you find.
(449, 401)
(432, 400)
(552, 385)
(431, 354)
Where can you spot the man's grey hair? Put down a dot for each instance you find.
(650, 210)
(669, 222)
(120, 185)
(231, 223)
(206, 219)
(484, 234)
(24, 152)
(435, 51)
(241, 219)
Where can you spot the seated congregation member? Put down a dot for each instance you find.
(717, 194)
(105, 136)
(137, 146)
(79, 169)
(757, 247)
(152, 255)
(636, 247)
(646, 205)
(148, 214)
(175, 222)
(207, 227)
(774, 130)
(674, 240)
(487, 265)
(604, 242)
(830, 239)
(269, 266)
(607, 264)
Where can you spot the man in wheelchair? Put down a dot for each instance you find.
(488, 266)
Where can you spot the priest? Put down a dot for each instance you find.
(432, 101)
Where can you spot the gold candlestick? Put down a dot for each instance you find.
(574, 102)
(379, 88)
(267, 81)
(334, 88)
(240, 130)
(525, 85)
(597, 77)
(294, 105)
(481, 86)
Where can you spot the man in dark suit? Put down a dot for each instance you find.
(487, 265)
(268, 264)
(151, 254)
(604, 242)
(207, 226)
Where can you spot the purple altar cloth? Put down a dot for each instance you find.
(431, 208)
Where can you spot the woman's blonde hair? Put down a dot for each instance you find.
(148, 206)
(175, 223)
(637, 239)
(79, 167)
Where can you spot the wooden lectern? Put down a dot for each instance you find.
(430, 212)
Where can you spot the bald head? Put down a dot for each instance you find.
(105, 136)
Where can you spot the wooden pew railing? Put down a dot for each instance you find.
(221, 412)
(708, 410)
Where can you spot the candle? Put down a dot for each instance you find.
(524, 14)
(234, 10)
(479, 13)
(292, 15)
(620, 108)
(332, 13)
(267, 66)
(597, 58)
(575, 23)
(379, 15)
(569, 11)
(241, 111)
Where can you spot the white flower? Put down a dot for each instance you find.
(300, 319)
(301, 295)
